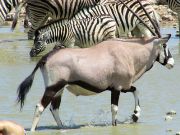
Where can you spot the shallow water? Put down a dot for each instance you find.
(159, 93)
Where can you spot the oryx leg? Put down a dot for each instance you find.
(50, 92)
(137, 109)
(136, 114)
(114, 105)
(54, 108)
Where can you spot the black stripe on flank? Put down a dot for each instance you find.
(87, 86)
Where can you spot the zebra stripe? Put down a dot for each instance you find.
(174, 5)
(125, 19)
(40, 10)
(78, 32)
(5, 7)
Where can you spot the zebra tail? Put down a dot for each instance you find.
(25, 86)
(17, 11)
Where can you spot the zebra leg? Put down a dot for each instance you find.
(50, 92)
(114, 105)
(54, 108)
(136, 32)
(144, 31)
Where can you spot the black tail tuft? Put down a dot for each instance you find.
(25, 86)
(23, 89)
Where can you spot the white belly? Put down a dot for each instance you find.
(79, 91)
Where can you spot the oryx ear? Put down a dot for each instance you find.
(162, 40)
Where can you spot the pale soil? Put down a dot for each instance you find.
(167, 16)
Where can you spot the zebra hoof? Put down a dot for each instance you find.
(134, 118)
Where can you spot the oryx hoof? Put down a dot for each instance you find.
(135, 118)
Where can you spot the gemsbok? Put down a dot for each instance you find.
(112, 65)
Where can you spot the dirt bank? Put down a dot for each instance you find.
(167, 16)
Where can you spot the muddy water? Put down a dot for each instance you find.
(159, 93)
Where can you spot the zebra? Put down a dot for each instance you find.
(74, 32)
(174, 5)
(39, 11)
(125, 19)
(6, 6)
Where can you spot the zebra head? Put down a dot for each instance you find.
(164, 57)
(39, 43)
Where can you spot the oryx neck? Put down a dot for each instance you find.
(145, 59)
